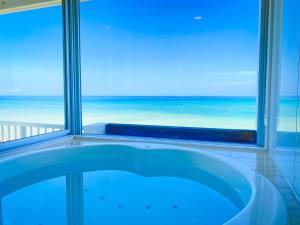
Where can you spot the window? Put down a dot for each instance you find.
(286, 147)
(31, 69)
(287, 121)
(178, 64)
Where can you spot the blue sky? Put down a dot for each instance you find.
(137, 47)
(290, 47)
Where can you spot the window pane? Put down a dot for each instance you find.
(289, 73)
(31, 69)
(286, 146)
(180, 63)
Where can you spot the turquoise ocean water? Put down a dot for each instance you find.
(215, 112)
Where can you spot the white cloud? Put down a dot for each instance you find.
(247, 72)
(237, 73)
(9, 91)
(198, 18)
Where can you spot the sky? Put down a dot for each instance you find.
(290, 48)
(136, 48)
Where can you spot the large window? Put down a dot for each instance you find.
(31, 69)
(170, 63)
(289, 83)
(287, 139)
(180, 64)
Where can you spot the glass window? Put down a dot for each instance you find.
(287, 145)
(179, 63)
(31, 69)
(289, 73)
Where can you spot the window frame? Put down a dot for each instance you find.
(269, 17)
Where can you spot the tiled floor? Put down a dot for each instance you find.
(256, 160)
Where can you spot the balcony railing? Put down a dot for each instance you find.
(10, 131)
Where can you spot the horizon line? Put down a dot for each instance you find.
(152, 96)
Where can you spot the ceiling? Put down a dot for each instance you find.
(9, 6)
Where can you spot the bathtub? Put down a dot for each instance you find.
(157, 171)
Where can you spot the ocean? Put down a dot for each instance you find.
(209, 112)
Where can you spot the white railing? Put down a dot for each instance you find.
(10, 131)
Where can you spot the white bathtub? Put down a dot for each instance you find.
(258, 200)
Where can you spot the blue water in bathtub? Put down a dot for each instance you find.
(113, 197)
